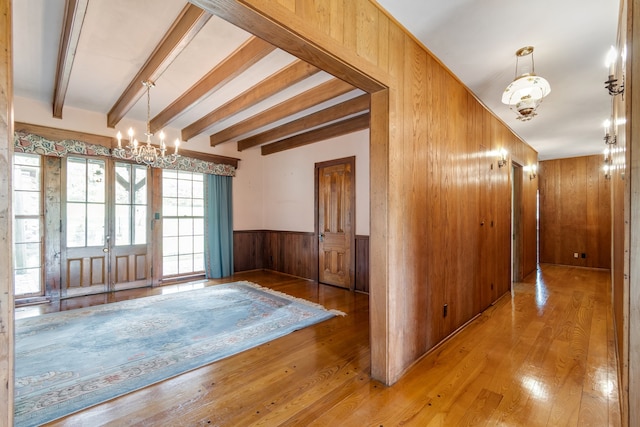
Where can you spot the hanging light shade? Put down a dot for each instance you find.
(526, 91)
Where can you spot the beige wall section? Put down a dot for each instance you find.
(288, 183)
(6, 243)
(425, 165)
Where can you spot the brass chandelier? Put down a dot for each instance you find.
(146, 153)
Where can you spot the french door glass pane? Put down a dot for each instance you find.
(140, 185)
(140, 218)
(123, 183)
(85, 202)
(76, 225)
(76, 180)
(122, 229)
(96, 191)
(95, 224)
(131, 204)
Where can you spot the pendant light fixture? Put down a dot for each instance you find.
(526, 91)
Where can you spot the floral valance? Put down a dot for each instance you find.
(36, 144)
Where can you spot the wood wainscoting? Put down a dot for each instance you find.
(291, 252)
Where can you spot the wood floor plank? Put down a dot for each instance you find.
(542, 356)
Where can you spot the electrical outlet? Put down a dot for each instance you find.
(583, 255)
(576, 255)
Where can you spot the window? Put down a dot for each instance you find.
(86, 202)
(27, 224)
(182, 223)
(131, 204)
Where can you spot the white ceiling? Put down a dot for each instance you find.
(476, 40)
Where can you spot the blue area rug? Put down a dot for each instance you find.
(70, 360)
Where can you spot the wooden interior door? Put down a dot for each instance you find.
(336, 234)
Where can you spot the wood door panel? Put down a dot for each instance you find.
(84, 275)
(335, 224)
(122, 269)
(97, 271)
(140, 266)
(131, 267)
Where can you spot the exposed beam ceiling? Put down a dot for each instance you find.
(73, 19)
(308, 99)
(184, 29)
(209, 76)
(340, 128)
(240, 60)
(292, 74)
(335, 112)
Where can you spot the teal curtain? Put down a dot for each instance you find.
(218, 226)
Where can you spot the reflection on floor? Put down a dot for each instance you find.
(542, 356)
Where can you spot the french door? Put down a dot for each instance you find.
(104, 226)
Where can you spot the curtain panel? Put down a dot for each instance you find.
(218, 226)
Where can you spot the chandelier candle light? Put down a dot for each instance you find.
(526, 91)
(146, 153)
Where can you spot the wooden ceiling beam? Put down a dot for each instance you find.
(74, 13)
(250, 52)
(330, 131)
(284, 78)
(188, 23)
(307, 99)
(344, 109)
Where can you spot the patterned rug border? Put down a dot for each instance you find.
(292, 298)
(253, 285)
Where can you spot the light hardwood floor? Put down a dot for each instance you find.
(542, 356)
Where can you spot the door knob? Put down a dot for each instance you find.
(105, 250)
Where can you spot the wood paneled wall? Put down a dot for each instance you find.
(575, 212)
(6, 242)
(429, 188)
(290, 252)
(362, 264)
(625, 181)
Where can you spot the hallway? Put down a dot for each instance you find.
(543, 356)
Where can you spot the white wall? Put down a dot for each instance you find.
(288, 183)
(274, 192)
